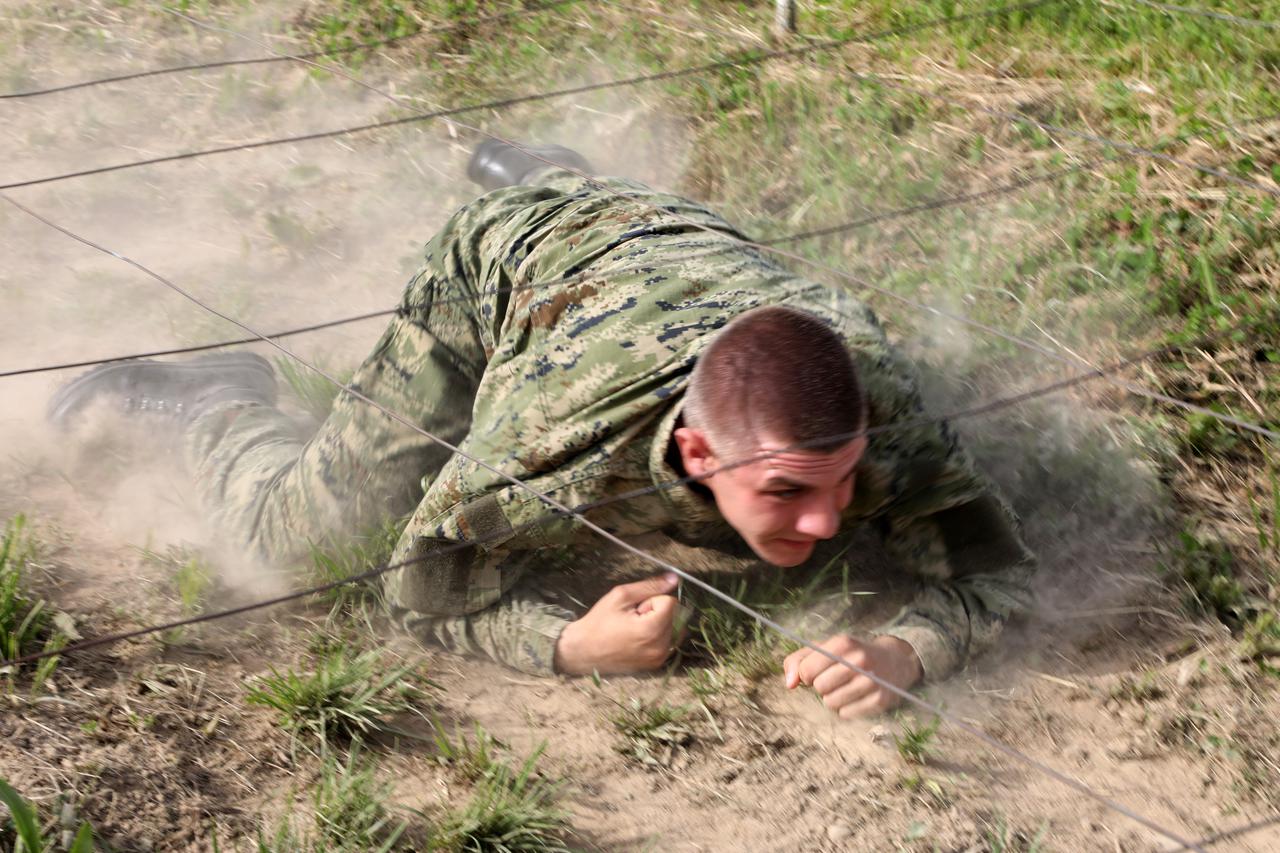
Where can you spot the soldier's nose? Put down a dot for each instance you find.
(820, 523)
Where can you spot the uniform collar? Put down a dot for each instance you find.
(691, 513)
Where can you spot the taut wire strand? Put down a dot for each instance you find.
(503, 103)
(517, 12)
(1206, 13)
(1238, 831)
(287, 333)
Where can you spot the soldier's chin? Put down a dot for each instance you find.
(784, 554)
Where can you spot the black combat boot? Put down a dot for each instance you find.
(178, 390)
(496, 164)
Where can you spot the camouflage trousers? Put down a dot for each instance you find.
(279, 492)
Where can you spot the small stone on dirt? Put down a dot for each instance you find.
(1120, 747)
(1187, 672)
(839, 832)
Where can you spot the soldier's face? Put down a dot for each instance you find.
(783, 505)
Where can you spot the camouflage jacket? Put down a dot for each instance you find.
(582, 389)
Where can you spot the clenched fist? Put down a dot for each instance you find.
(628, 630)
(848, 693)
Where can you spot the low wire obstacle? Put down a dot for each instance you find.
(821, 231)
(1208, 13)
(504, 103)
(517, 12)
(287, 333)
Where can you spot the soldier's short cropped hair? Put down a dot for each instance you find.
(774, 373)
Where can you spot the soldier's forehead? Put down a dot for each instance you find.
(812, 463)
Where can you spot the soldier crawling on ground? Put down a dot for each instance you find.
(592, 338)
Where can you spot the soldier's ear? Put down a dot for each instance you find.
(695, 451)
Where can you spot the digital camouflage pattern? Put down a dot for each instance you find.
(573, 386)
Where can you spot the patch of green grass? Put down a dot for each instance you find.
(928, 792)
(350, 807)
(739, 647)
(339, 560)
(1143, 688)
(343, 698)
(653, 734)
(284, 838)
(1265, 511)
(915, 744)
(1181, 58)
(26, 622)
(1245, 740)
(22, 619)
(350, 22)
(22, 831)
(193, 577)
(472, 760)
(510, 811)
(511, 807)
(1206, 571)
(706, 683)
(1261, 642)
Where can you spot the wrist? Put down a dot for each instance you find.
(907, 652)
(567, 660)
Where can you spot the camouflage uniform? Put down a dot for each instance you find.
(574, 386)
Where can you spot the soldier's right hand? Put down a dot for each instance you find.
(628, 630)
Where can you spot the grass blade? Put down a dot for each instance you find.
(23, 817)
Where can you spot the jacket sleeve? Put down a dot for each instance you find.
(469, 580)
(977, 576)
(520, 630)
(948, 525)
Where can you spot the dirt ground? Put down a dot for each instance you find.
(152, 741)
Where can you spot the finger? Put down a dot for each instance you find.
(791, 667)
(832, 678)
(661, 608)
(855, 691)
(840, 646)
(632, 594)
(876, 702)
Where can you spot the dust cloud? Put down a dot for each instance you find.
(277, 237)
(1082, 481)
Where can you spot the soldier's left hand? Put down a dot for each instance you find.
(848, 693)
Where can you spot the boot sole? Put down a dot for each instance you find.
(487, 169)
(80, 392)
